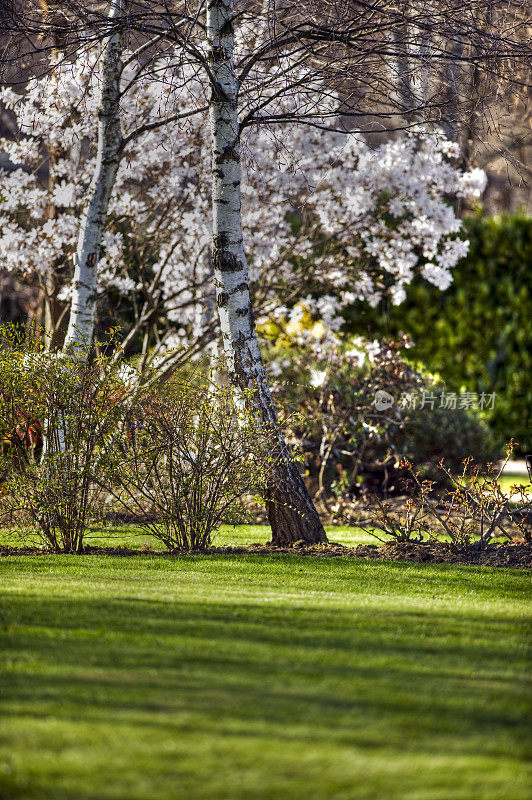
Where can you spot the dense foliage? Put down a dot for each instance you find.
(351, 442)
(476, 335)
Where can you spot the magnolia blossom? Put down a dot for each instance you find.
(325, 217)
(317, 378)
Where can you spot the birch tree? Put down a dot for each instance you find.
(84, 289)
(291, 513)
(114, 85)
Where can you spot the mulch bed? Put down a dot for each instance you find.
(518, 555)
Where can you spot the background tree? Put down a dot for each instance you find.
(327, 218)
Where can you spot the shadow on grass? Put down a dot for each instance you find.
(233, 685)
(336, 673)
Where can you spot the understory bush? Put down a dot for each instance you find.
(187, 456)
(353, 422)
(469, 514)
(55, 411)
(330, 389)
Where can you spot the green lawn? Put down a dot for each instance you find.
(134, 536)
(514, 478)
(279, 677)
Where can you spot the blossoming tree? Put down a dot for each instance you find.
(325, 216)
(363, 219)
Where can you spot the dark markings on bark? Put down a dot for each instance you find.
(227, 28)
(217, 53)
(91, 260)
(241, 349)
(82, 285)
(224, 261)
(242, 312)
(242, 287)
(222, 299)
(220, 241)
(230, 153)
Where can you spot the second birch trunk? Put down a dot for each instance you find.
(84, 290)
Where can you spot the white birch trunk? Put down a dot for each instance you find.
(81, 325)
(452, 79)
(401, 77)
(291, 511)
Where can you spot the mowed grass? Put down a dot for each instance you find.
(509, 479)
(260, 677)
(135, 537)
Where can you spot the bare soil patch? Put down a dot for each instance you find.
(517, 555)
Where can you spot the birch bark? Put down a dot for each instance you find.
(401, 77)
(451, 109)
(290, 509)
(81, 324)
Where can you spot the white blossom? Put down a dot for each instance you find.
(317, 378)
(385, 207)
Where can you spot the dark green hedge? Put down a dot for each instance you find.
(477, 335)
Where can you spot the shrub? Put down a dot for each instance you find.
(54, 413)
(192, 454)
(351, 444)
(469, 514)
(336, 422)
(407, 523)
(475, 509)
